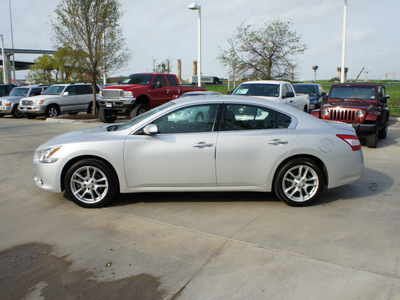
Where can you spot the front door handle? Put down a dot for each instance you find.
(277, 142)
(203, 145)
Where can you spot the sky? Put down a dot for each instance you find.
(167, 29)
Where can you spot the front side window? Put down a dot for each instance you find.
(249, 117)
(199, 118)
(71, 90)
(35, 91)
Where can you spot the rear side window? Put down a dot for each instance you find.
(249, 117)
(83, 89)
(172, 80)
(36, 91)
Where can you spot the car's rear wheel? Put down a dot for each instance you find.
(91, 183)
(299, 182)
(16, 113)
(89, 109)
(105, 116)
(52, 111)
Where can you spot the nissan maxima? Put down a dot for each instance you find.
(239, 144)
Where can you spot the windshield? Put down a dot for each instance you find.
(19, 92)
(141, 117)
(353, 92)
(255, 89)
(143, 79)
(54, 90)
(311, 90)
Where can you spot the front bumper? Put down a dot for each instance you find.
(364, 129)
(121, 103)
(32, 109)
(5, 109)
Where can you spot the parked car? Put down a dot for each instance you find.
(138, 93)
(363, 105)
(9, 104)
(5, 89)
(315, 91)
(58, 99)
(279, 91)
(241, 144)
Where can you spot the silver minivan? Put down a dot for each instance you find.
(58, 99)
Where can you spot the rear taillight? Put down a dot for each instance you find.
(351, 140)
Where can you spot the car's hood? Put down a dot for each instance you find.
(350, 104)
(11, 98)
(41, 97)
(125, 87)
(88, 134)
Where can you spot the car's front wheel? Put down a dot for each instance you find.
(299, 182)
(91, 183)
(105, 116)
(52, 111)
(16, 113)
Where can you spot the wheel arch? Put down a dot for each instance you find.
(78, 158)
(143, 99)
(318, 161)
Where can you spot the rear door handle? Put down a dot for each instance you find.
(203, 145)
(278, 142)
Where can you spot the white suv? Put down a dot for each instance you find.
(58, 99)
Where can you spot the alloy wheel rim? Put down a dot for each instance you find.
(53, 112)
(89, 184)
(300, 183)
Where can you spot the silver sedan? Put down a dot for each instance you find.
(240, 144)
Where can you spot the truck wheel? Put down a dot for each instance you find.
(384, 130)
(52, 111)
(299, 182)
(138, 110)
(91, 183)
(105, 116)
(30, 116)
(16, 113)
(372, 139)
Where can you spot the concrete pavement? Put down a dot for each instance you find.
(196, 245)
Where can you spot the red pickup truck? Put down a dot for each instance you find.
(138, 93)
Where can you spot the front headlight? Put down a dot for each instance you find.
(325, 112)
(128, 94)
(37, 102)
(46, 155)
(360, 114)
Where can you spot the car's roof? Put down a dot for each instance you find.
(358, 84)
(31, 86)
(264, 82)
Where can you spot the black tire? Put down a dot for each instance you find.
(1, 115)
(91, 183)
(299, 182)
(305, 109)
(105, 116)
(372, 139)
(52, 111)
(30, 116)
(138, 110)
(383, 132)
(16, 113)
(89, 109)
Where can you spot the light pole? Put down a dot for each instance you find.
(4, 62)
(194, 6)
(12, 41)
(342, 74)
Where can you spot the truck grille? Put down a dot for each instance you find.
(113, 94)
(343, 115)
(27, 102)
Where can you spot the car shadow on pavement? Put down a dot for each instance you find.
(373, 183)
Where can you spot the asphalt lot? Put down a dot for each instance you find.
(197, 245)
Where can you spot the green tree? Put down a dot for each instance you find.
(263, 53)
(89, 31)
(161, 67)
(42, 70)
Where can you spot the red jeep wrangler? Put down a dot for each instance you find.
(364, 105)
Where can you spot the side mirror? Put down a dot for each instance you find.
(65, 93)
(150, 129)
(229, 92)
(289, 95)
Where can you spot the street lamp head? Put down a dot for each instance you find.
(194, 6)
